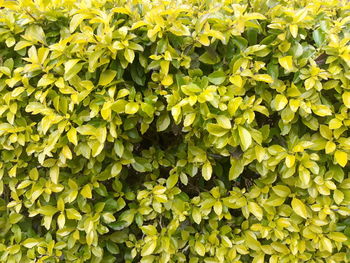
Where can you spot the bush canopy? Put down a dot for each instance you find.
(174, 131)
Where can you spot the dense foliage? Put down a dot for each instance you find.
(174, 131)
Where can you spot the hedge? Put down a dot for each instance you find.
(174, 131)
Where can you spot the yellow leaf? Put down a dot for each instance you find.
(199, 248)
(338, 196)
(129, 55)
(330, 147)
(341, 158)
(106, 110)
(207, 171)
(35, 33)
(218, 208)
(263, 77)
(293, 30)
(252, 16)
(138, 24)
(176, 111)
(76, 21)
(224, 121)
(73, 214)
(259, 153)
(286, 62)
(322, 110)
(67, 153)
(90, 237)
(245, 137)
(299, 208)
(280, 102)
(335, 124)
(233, 105)
(86, 191)
(256, 210)
(61, 220)
(337, 236)
(236, 80)
(72, 136)
(149, 247)
(106, 77)
(131, 107)
(260, 258)
(189, 119)
(30, 242)
(326, 244)
(54, 173)
(294, 105)
(167, 80)
(290, 160)
(346, 99)
(310, 83)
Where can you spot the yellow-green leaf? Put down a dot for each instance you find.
(207, 170)
(337, 236)
(346, 99)
(280, 102)
(149, 247)
(199, 248)
(245, 137)
(196, 215)
(106, 77)
(218, 208)
(299, 208)
(256, 210)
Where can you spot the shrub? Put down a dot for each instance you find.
(174, 131)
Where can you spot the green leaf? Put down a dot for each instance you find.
(163, 122)
(319, 37)
(236, 168)
(209, 58)
(217, 77)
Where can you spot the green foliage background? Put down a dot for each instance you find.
(174, 131)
